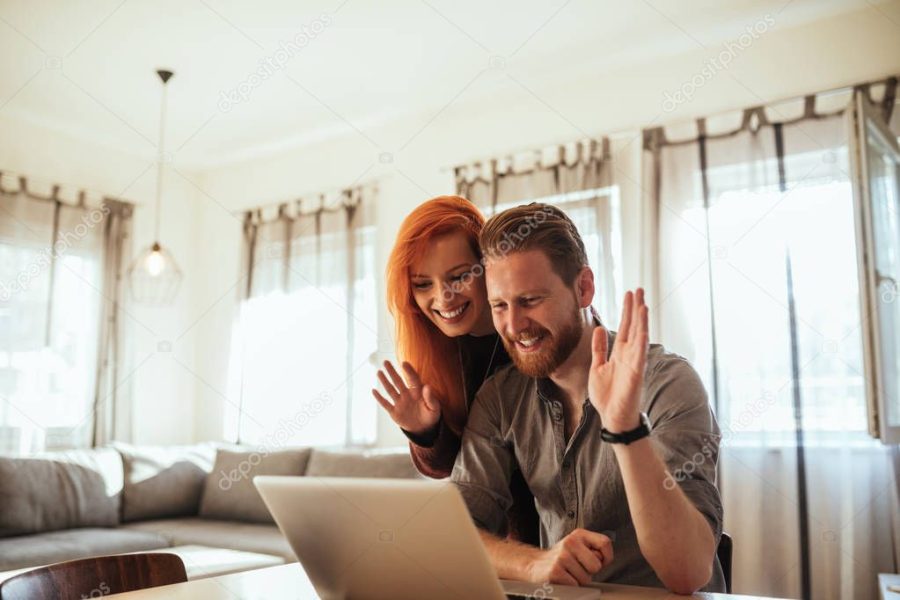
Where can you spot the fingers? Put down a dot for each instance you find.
(574, 568)
(600, 543)
(393, 393)
(411, 376)
(383, 402)
(431, 402)
(625, 321)
(637, 308)
(635, 317)
(395, 376)
(589, 560)
(581, 554)
(560, 576)
(644, 312)
(639, 331)
(643, 337)
(599, 347)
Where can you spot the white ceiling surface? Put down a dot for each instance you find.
(87, 67)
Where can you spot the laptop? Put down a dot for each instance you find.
(391, 539)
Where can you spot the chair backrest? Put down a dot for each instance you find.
(95, 577)
(724, 552)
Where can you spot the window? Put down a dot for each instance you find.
(597, 215)
(877, 166)
(50, 311)
(308, 330)
(758, 276)
(811, 227)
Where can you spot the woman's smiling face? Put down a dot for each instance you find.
(448, 287)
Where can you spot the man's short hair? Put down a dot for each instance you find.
(536, 226)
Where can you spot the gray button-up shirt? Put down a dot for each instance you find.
(517, 422)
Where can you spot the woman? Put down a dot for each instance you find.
(446, 338)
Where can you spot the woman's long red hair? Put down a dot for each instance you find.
(419, 341)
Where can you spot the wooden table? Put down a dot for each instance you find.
(290, 582)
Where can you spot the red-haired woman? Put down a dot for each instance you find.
(446, 340)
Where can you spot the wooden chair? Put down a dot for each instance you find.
(724, 552)
(95, 577)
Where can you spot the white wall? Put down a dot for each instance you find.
(186, 399)
(163, 391)
(778, 65)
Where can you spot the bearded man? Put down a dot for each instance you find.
(614, 436)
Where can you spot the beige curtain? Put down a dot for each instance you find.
(578, 178)
(112, 403)
(757, 285)
(309, 322)
(62, 258)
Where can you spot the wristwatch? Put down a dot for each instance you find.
(627, 437)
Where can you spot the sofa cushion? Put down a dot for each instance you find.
(56, 546)
(229, 492)
(391, 464)
(248, 537)
(60, 490)
(164, 481)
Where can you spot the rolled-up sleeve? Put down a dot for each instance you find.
(686, 436)
(485, 464)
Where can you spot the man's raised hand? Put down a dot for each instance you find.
(615, 383)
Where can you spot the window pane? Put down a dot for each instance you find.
(304, 356)
(753, 233)
(596, 214)
(48, 342)
(884, 179)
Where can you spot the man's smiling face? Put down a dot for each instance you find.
(535, 312)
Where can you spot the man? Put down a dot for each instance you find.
(616, 503)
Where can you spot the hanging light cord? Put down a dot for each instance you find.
(159, 164)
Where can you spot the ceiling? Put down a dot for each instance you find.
(322, 67)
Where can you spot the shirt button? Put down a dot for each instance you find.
(571, 514)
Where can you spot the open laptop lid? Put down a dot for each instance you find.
(382, 539)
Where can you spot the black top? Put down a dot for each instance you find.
(482, 356)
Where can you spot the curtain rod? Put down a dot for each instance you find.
(537, 150)
(621, 133)
(754, 118)
(373, 184)
(81, 193)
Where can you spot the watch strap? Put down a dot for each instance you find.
(627, 437)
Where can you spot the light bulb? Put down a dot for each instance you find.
(155, 263)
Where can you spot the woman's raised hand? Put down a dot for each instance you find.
(414, 407)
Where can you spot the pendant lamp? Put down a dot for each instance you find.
(154, 276)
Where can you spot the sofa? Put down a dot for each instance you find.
(123, 498)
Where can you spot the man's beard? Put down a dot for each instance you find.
(555, 351)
